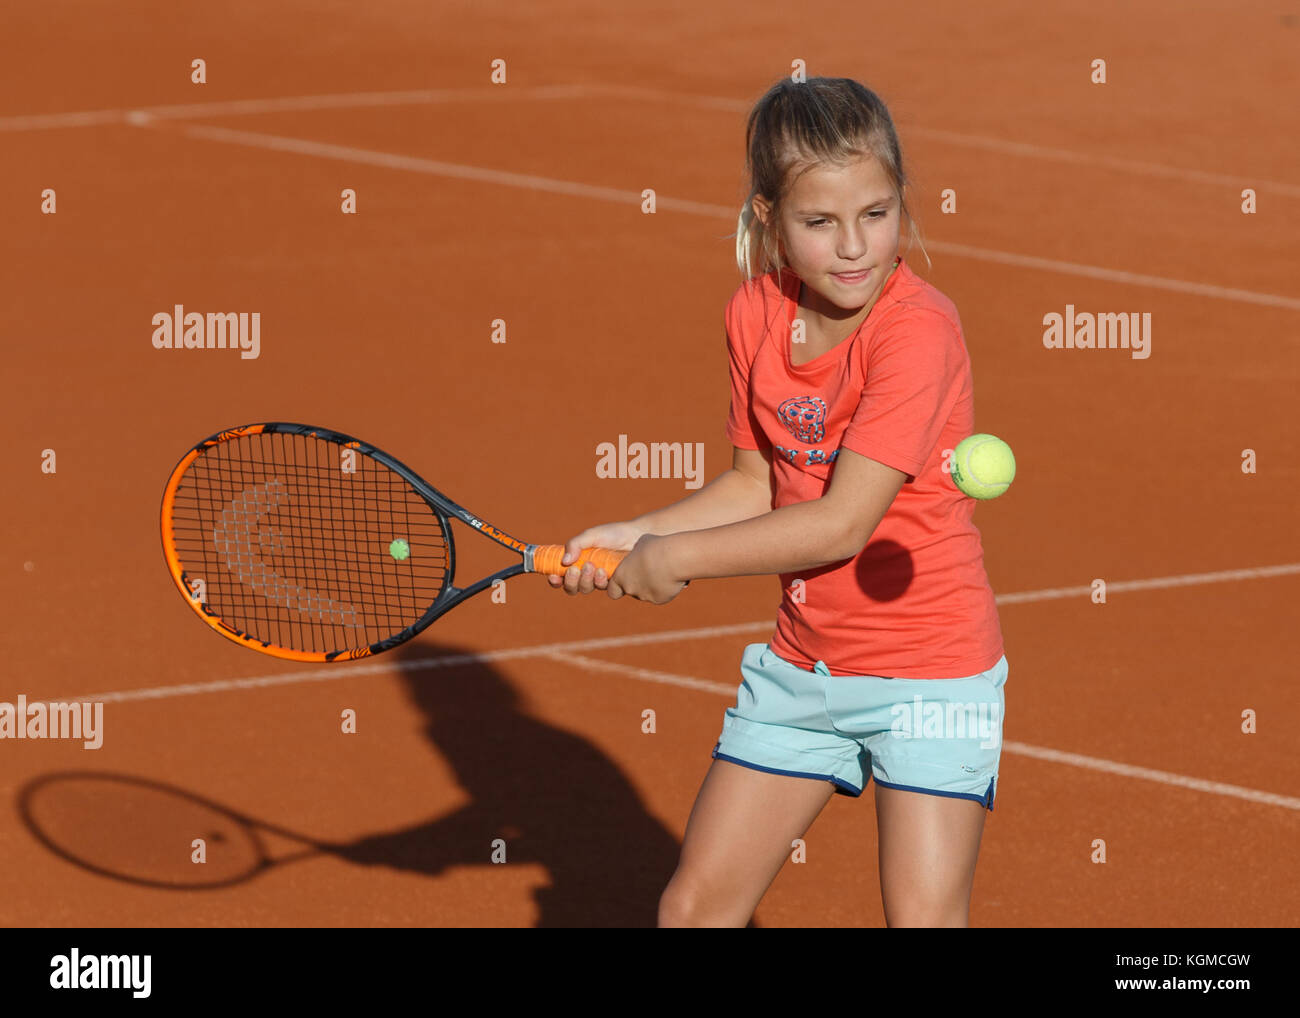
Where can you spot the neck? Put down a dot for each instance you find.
(835, 322)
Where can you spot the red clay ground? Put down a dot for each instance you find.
(378, 324)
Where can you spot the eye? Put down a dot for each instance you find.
(877, 213)
(814, 223)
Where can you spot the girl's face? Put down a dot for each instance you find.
(839, 227)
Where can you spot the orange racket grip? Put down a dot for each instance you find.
(546, 559)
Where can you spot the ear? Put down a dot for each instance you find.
(762, 209)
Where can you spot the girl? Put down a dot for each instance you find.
(849, 380)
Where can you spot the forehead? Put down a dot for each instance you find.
(859, 179)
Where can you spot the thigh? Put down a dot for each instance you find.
(738, 837)
(929, 845)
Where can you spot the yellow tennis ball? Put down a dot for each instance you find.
(400, 550)
(983, 466)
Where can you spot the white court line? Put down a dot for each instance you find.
(363, 100)
(148, 116)
(290, 104)
(435, 167)
(632, 199)
(564, 653)
(1106, 162)
(414, 164)
(1160, 583)
(991, 144)
(39, 121)
(708, 686)
(592, 664)
(1115, 275)
(1147, 774)
(397, 664)
(492, 93)
(1018, 748)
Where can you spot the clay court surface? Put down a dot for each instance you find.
(522, 202)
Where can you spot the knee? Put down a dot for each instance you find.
(678, 906)
(934, 914)
(682, 905)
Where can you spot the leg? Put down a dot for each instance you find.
(737, 839)
(928, 848)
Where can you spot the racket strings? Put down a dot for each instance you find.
(290, 536)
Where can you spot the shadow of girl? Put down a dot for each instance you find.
(549, 794)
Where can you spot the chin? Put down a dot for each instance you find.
(847, 298)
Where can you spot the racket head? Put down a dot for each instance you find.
(141, 831)
(280, 536)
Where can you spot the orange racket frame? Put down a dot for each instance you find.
(535, 558)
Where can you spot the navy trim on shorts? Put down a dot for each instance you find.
(839, 783)
(985, 800)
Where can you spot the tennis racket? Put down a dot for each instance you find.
(307, 544)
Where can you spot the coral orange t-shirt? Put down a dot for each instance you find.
(915, 602)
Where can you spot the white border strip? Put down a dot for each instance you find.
(564, 653)
(380, 666)
(632, 199)
(498, 93)
(985, 254)
(1159, 583)
(152, 116)
(592, 664)
(1147, 774)
(290, 104)
(1018, 748)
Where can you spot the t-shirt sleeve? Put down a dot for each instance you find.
(914, 378)
(743, 428)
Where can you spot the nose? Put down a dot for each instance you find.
(852, 242)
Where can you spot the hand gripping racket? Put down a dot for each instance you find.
(307, 544)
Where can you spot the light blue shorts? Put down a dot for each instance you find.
(937, 736)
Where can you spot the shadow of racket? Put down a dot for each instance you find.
(143, 831)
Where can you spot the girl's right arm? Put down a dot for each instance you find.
(741, 493)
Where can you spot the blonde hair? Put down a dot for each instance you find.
(800, 124)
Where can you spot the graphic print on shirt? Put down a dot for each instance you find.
(805, 418)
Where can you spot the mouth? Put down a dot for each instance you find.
(851, 278)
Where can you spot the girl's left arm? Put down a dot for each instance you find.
(791, 539)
